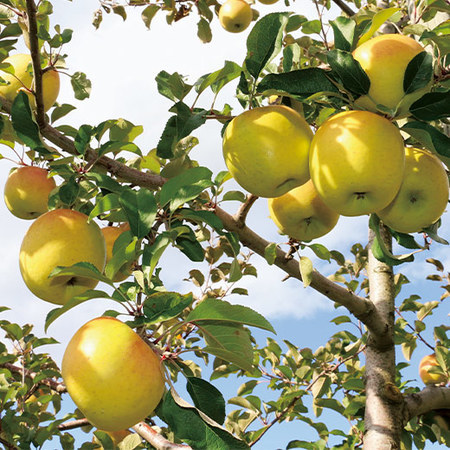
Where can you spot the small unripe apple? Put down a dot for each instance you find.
(423, 195)
(266, 150)
(427, 377)
(235, 15)
(357, 161)
(111, 374)
(61, 237)
(385, 58)
(302, 214)
(26, 191)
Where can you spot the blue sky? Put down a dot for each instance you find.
(122, 60)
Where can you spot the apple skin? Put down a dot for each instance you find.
(357, 162)
(61, 237)
(23, 80)
(423, 195)
(111, 374)
(26, 191)
(266, 150)
(111, 233)
(385, 58)
(426, 363)
(267, 2)
(235, 15)
(301, 213)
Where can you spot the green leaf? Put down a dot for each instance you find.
(204, 30)
(312, 27)
(207, 217)
(304, 82)
(124, 131)
(270, 253)
(124, 252)
(194, 428)
(207, 398)
(218, 79)
(265, 42)
(82, 270)
(74, 301)
(109, 202)
(140, 208)
(152, 254)
(81, 86)
(378, 20)
(431, 106)
(162, 306)
(212, 309)
(83, 138)
(190, 246)
(23, 123)
(69, 191)
(349, 71)
(419, 72)
(344, 33)
(148, 13)
(320, 251)
(185, 187)
(306, 270)
(61, 111)
(235, 271)
(172, 86)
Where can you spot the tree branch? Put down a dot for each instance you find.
(241, 214)
(344, 7)
(428, 399)
(72, 424)
(159, 442)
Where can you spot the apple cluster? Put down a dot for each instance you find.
(355, 164)
(114, 393)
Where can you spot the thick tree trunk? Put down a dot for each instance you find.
(383, 421)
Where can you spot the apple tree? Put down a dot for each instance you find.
(169, 200)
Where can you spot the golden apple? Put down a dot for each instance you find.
(302, 214)
(235, 15)
(423, 195)
(385, 58)
(111, 233)
(61, 237)
(427, 377)
(116, 436)
(267, 2)
(22, 79)
(26, 191)
(357, 161)
(266, 150)
(111, 374)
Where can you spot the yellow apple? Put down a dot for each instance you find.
(357, 161)
(266, 150)
(61, 237)
(427, 377)
(235, 15)
(26, 191)
(423, 195)
(385, 58)
(116, 436)
(267, 2)
(22, 79)
(302, 214)
(111, 233)
(111, 374)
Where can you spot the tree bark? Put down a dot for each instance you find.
(384, 400)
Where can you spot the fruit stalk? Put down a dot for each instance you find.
(383, 400)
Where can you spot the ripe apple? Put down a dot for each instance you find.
(267, 2)
(385, 58)
(26, 191)
(423, 195)
(111, 374)
(357, 161)
(427, 377)
(302, 214)
(266, 150)
(22, 79)
(235, 15)
(61, 237)
(116, 436)
(111, 233)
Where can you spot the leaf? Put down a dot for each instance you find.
(207, 217)
(349, 71)
(190, 246)
(431, 106)
(162, 306)
(61, 111)
(270, 253)
(377, 20)
(148, 13)
(185, 187)
(104, 204)
(320, 251)
(409, 347)
(152, 254)
(140, 208)
(207, 398)
(265, 42)
(344, 33)
(235, 271)
(172, 86)
(193, 427)
(74, 301)
(81, 86)
(419, 72)
(306, 270)
(24, 125)
(304, 82)
(220, 310)
(69, 191)
(218, 79)
(204, 30)
(82, 270)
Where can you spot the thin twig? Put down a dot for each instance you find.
(159, 442)
(344, 7)
(72, 424)
(244, 209)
